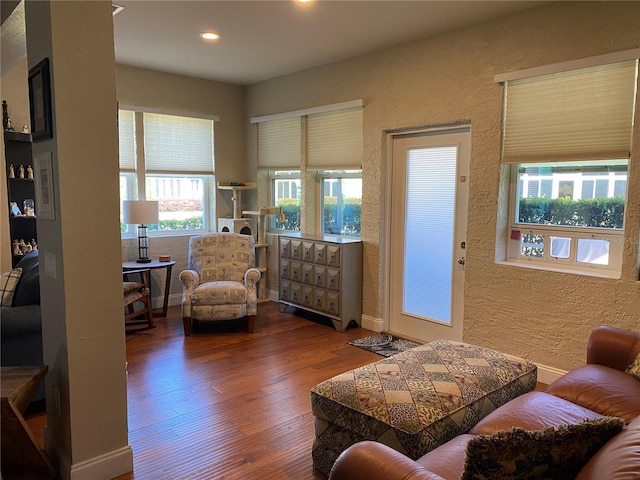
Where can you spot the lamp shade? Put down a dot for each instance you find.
(140, 212)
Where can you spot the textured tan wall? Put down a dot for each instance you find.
(543, 316)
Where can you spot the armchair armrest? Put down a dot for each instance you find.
(369, 460)
(613, 347)
(251, 277)
(190, 279)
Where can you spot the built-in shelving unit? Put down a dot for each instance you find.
(20, 193)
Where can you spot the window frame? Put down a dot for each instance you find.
(324, 175)
(273, 176)
(136, 180)
(615, 237)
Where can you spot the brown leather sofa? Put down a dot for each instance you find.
(599, 388)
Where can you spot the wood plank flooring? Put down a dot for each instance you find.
(226, 404)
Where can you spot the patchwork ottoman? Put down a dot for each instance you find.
(416, 400)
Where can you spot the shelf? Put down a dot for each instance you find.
(245, 186)
(17, 136)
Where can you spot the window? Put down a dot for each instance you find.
(168, 158)
(294, 146)
(285, 193)
(572, 221)
(567, 138)
(341, 202)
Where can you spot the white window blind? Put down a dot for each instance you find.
(126, 136)
(334, 140)
(584, 114)
(279, 144)
(175, 144)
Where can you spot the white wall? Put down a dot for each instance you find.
(545, 317)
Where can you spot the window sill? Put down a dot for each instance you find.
(557, 269)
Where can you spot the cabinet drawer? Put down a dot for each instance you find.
(320, 300)
(333, 279)
(333, 255)
(296, 293)
(285, 290)
(285, 269)
(320, 253)
(307, 252)
(307, 274)
(320, 276)
(296, 249)
(333, 303)
(285, 248)
(296, 271)
(307, 296)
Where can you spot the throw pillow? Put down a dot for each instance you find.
(8, 284)
(634, 368)
(552, 453)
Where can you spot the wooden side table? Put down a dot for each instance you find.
(21, 456)
(133, 265)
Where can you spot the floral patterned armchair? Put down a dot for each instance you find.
(220, 283)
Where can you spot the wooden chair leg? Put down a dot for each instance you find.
(148, 312)
(250, 323)
(186, 322)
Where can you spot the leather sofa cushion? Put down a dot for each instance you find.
(602, 389)
(447, 460)
(619, 459)
(533, 411)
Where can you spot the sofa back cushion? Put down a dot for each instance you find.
(604, 390)
(619, 459)
(28, 290)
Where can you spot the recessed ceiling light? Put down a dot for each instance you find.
(209, 36)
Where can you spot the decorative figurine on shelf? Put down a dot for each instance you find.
(15, 210)
(29, 172)
(21, 171)
(23, 246)
(28, 206)
(25, 128)
(12, 172)
(16, 248)
(34, 245)
(27, 248)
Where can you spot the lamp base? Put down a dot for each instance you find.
(143, 260)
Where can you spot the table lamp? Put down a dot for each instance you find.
(141, 213)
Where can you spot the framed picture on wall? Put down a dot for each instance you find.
(45, 194)
(40, 101)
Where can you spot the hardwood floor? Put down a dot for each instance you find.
(226, 404)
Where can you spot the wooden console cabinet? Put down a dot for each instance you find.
(322, 274)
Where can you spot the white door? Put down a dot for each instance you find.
(428, 227)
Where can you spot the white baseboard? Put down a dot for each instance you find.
(548, 375)
(372, 323)
(109, 465)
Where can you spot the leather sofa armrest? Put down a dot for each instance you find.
(374, 461)
(613, 347)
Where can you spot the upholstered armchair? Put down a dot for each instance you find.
(220, 283)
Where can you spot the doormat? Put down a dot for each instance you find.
(384, 344)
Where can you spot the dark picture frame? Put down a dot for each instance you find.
(40, 101)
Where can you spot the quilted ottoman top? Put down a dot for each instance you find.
(412, 390)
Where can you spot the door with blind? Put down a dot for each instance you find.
(428, 225)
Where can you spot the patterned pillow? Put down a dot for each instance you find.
(8, 284)
(555, 452)
(634, 368)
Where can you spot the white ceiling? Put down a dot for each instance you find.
(266, 39)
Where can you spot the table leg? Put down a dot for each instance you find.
(167, 285)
